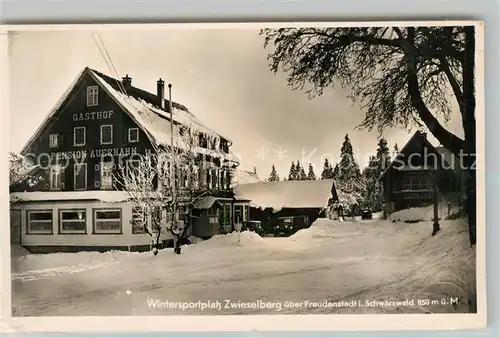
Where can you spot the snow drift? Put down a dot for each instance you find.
(231, 239)
(37, 266)
(321, 229)
(421, 214)
(434, 267)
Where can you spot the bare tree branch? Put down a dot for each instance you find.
(399, 76)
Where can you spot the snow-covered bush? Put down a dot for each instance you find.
(164, 186)
(20, 171)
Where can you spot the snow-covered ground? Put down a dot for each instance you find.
(422, 214)
(350, 267)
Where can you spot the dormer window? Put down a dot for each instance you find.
(54, 141)
(203, 141)
(133, 135)
(92, 96)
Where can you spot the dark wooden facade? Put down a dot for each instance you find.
(70, 119)
(416, 173)
(75, 115)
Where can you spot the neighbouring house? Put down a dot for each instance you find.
(244, 177)
(418, 171)
(215, 215)
(267, 202)
(98, 123)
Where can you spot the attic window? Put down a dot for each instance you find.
(133, 135)
(92, 96)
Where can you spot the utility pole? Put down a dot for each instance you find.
(173, 167)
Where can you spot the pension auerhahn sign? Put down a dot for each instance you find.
(94, 153)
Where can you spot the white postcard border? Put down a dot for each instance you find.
(351, 322)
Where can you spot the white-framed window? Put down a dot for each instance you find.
(138, 221)
(56, 173)
(133, 135)
(92, 96)
(106, 175)
(107, 134)
(54, 141)
(79, 136)
(39, 222)
(107, 221)
(80, 176)
(72, 221)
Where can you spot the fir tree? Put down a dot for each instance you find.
(302, 174)
(370, 178)
(336, 171)
(293, 172)
(327, 171)
(348, 167)
(310, 174)
(255, 170)
(383, 155)
(348, 180)
(273, 177)
(395, 151)
(299, 172)
(373, 194)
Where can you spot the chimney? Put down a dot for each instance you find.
(127, 82)
(160, 92)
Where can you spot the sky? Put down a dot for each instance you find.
(221, 75)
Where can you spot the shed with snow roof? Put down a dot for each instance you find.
(272, 202)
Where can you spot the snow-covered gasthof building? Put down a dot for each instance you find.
(98, 122)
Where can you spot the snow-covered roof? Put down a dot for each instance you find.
(448, 156)
(152, 119)
(207, 201)
(286, 194)
(244, 177)
(99, 195)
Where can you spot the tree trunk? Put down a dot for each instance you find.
(447, 139)
(435, 204)
(469, 125)
(177, 245)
